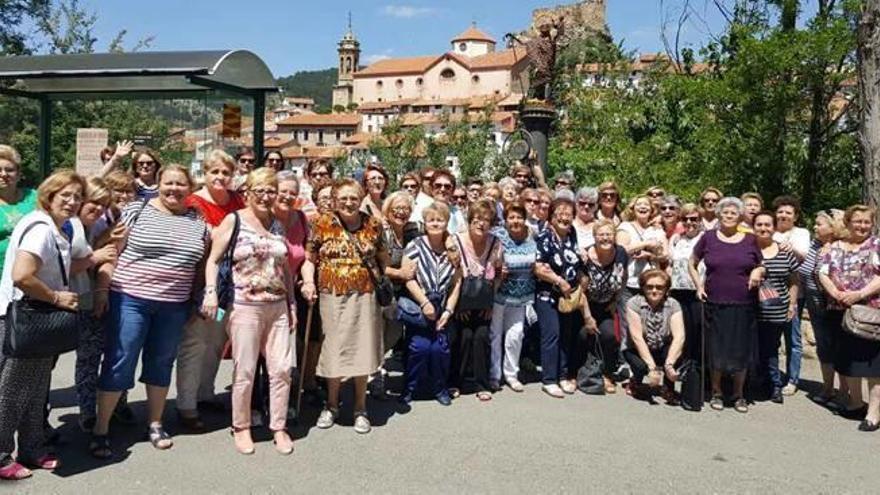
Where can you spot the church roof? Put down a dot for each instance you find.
(473, 34)
(419, 65)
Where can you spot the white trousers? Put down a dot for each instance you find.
(508, 326)
(198, 358)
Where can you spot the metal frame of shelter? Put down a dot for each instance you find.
(134, 76)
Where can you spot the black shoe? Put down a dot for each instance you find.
(403, 406)
(776, 396)
(444, 399)
(854, 414)
(866, 425)
(494, 386)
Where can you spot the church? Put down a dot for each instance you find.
(472, 68)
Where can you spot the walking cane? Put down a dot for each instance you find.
(703, 372)
(305, 358)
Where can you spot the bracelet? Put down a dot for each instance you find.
(210, 289)
(447, 310)
(422, 306)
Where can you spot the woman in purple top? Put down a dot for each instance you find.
(733, 271)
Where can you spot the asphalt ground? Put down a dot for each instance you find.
(516, 443)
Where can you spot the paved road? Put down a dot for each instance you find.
(516, 443)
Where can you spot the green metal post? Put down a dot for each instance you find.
(45, 150)
(259, 125)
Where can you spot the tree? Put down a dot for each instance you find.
(869, 96)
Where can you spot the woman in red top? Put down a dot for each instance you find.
(203, 340)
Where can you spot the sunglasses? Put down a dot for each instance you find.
(460, 197)
(586, 204)
(410, 186)
(246, 160)
(611, 195)
(655, 287)
(656, 194)
(145, 163)
(443, 186)
(274, 160)
(691, 219)
(709, 200)
(668, 208)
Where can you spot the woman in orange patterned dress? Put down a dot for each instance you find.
(349, 308)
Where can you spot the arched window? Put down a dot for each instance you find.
(347, 65)
(447, 74)
(420, 81)
(462, 47)
(399, 83)
(378, 84)
(475, 79)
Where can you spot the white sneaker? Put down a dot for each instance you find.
(362, 423)
(515, 385)
(568, 386)
(789, 389)
(553, 390)
(327, 418)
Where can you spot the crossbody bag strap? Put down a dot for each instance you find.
(464, 258)
(233, 240)
(360, 253)
(57, 249)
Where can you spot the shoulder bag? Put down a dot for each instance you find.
(37, 329)
(863, 321)
(383, 287)
(477, 293)
(225, 287)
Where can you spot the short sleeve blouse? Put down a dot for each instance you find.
(561, 255)
(604, 283)
(340, 267)
(656, 326)
(852, 270)
(434, 271)
(728, 267)
(636, 267)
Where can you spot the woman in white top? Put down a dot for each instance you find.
(681, 247)
(33, 268)
(797, 241)
(586, 201)
(645, 245)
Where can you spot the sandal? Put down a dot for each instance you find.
(99, 446)
(14, 471)
(717, 402)
(484, 396)
(741, 406)
(159, 437)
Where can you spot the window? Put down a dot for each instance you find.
(462, 47)
(338, 135)
(447, 74)
(398, 83)
(369, 128)
(419, 81)
(321, 137)
(305, 135)
(475, 79)
(379, 85)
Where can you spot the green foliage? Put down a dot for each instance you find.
(315, 84)
(758, 118)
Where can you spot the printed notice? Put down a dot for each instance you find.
(89, 143)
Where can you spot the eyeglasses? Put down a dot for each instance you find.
(443, 186)
(608, 195)
(668, 208)
(586, 204)
(691, 219)
(403, 210)
(531, 201)
(123, 192)
(655, 287)
(376, 178)
(460, 197)
(266, 193)
(246, 160)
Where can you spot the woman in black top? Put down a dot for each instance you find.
(605, 268)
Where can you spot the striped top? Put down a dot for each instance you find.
(779, 271)
(161, 254)
(434, 271)
(807, 270)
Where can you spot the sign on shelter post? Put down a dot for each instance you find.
(89, 143)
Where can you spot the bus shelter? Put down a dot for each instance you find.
(137, 75)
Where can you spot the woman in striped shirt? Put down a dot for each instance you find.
(435, 289)
(150, 301)
(777, 299)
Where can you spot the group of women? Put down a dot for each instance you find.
(473, 287)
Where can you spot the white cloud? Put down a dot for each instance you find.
(375, 57)
(407, 11)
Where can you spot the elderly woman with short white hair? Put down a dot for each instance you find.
(586, 200)
(734, 270)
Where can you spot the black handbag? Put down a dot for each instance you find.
(691, 386)
(383, 287)
(477, 293)
(225, 287)
(37, 329)
(589, 378)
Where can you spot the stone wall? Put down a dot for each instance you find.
(587, 16)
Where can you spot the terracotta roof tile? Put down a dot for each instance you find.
(498, 60)
(314, 152)
(325, 120)
(473, 34)
(409, 65)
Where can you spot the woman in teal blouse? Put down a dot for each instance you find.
(15, 202)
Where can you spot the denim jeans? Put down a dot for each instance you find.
(557, 341)
(794, 348)
(768, 350)
(138, 325)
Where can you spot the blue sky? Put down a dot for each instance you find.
(293, 35)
